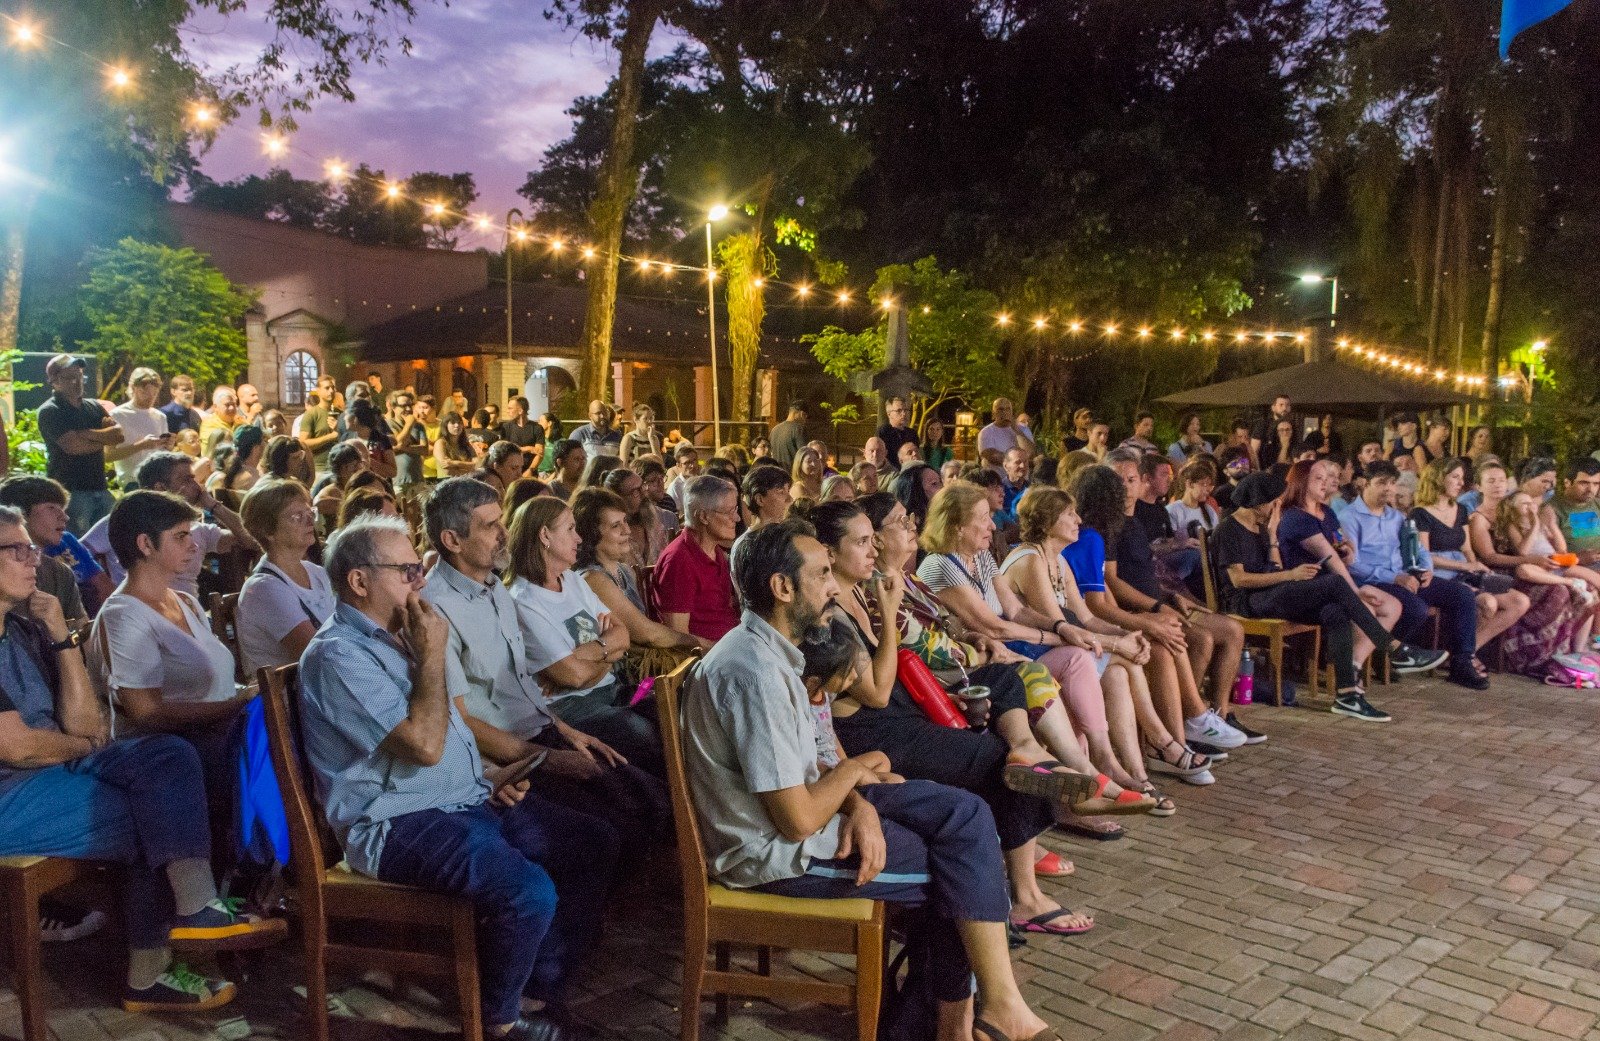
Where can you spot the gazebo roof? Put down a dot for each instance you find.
(1328, 384)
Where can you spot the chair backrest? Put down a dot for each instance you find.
(1208, 577)
(691, 855)
(647, 590)
(225, 624)
(309, 836)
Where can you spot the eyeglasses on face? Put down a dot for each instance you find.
(410, 572)
(22, 552)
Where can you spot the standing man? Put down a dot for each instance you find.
(402, 784)
(77, 432)
(144, 427)
(1144, 431)
(316, 431)
(895, 431)
(180, 411)
(524, 431)
(599, 436)
(1372, 526)
(788, 436)
(1014, 480)
(375, 381)
(249, 404)
(411, 446)
(429, 421)
(222, 420)
(1079, 438)
(1264, 438)
(1002, 435)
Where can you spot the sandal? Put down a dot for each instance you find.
(1189, 762)
(1044, 780)
(1041, 924)
(994, 1033)
(1127, 802)
(1164, 806)
(1053, 865)
(1107, 831)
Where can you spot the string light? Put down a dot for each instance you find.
(391, 190)
(520, 234)
(1208, 336)
(588, 253)
(1177, 334)
(556, 246)
(480, 222)
(802, 290)
(844, 296)
(1039, 323)
(274, 145)
(887, 303)
(23, 34)
(1075, 326)
(758, 281)
(1002, 319)
(1144, 331)
(119, 78)
(336, 171)
(1383, 359)
(202, 115)
(1111, 330)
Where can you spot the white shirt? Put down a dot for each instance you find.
(136, 423)
(207, 536)
(553, 624)
(134, 646)
(271, 605)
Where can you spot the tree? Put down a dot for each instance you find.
(955, 341)
(279, 196)
(166, 308)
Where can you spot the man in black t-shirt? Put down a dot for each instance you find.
(76, 432)
(896, 429)
(1264, 438)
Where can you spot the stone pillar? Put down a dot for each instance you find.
(501, 375)
(622, 385)
(702, 403)
(767, 406)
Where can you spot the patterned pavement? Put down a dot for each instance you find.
(1434, 878)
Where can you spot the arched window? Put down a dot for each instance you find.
(300, 371)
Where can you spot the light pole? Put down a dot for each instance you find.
(716, 213)
(1312, 278)
(513, 212)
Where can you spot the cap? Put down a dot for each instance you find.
(60, 364)
(1257, 489)
(143, 374)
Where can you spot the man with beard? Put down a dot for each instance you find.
(772, 821)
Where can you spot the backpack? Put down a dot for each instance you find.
(1579, 671)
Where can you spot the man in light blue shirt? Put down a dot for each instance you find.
(1373, 528)
(403, 787)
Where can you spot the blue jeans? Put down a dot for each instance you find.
(1458, 616)
(84, 508)
(628, 730)
(942, 852)
(513, 864)
(140, 803)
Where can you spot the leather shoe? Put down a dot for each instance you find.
(542, 1027)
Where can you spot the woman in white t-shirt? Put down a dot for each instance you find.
(153, 648)
(573, 642)
(286, 598)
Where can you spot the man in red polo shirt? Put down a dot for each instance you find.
(693, 580)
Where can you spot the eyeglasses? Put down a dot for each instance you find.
(410, 572)
(22, 552)
(904, 522)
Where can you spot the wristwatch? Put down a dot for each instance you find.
(74, 639)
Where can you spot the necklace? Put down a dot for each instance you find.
(1052, 570)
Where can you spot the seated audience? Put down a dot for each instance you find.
(837, 488)
(401, 782)
(369, 498)
(363, 424)
(68, 790)
(1014, 470)
(773, 821)
(647, 533)
(864, 477)
(287, 460)
(1193, 505)
(876, 452)
(569, 458)
(914, 488)
(501, 466)
(67, 569)
(521, 490)
(642, 439)
(654, 475)
(807, 474)
(1142, 439)
(766, 495)
(243, 468)
(685, 467)
(573, 642)
(693, 582)
(286, 598)
(594, 472)
(1577, 510)
(344, 462)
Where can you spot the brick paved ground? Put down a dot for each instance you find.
(1435, 878)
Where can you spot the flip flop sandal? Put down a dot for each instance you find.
(1084, 829)
(994, 1033)
(1041, 924)
(1164, 806)
(1053, 865)
(1043, 780)
(1126, 804)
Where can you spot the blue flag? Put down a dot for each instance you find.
(1517, 15)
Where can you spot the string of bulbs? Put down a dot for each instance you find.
(121, 79)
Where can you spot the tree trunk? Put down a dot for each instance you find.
(1501, 230)
(608, 214)
(12, 252)
(746, 264)
(1441, 226)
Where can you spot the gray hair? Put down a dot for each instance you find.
(702, 494)
(12, 515)
(450, 507)
(1122, 455)
(354, 547)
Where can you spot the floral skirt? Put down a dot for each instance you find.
(1548, 627)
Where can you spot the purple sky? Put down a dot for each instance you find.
(484, 90)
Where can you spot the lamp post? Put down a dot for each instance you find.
(1312, 278)
(513, 212)
(716, 213)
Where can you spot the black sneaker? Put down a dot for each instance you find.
(1469, 679)
(1251, 737)
(60, 923)
(178, 990)
(1408, 659)
(222, 925)
(1211, 752)
(1356, 706)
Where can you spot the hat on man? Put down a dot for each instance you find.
(60, 364)
(1257, 489)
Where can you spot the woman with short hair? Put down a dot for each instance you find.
(765, 495)
(286, 598)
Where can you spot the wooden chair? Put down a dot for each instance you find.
(715, 916)
(23, 880)
(1275, 631)
(224, 610)
(647, 590)
(329, 894)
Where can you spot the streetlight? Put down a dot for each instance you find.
(513, 212)
(716, 213)
(1311, 279)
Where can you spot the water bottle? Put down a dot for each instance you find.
(1411, 548)
(1244, 686)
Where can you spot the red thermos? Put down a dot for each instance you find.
(926, 690)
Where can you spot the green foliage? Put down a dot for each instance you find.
(26, 443)
(166, 308)
(954, 339)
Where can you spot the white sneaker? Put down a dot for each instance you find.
(1210, 729)
(1200, 779)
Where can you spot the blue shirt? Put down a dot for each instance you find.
(1295, 527)
(23, 689)
(355, 688)
(180, 417)
(76, 555)
(1087, 559)
(1375, 537)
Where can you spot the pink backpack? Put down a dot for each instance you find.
(1579, 671)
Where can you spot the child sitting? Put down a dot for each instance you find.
(831, 665)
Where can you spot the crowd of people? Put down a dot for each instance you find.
(911, 668)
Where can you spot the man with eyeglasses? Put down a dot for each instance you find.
(895, 431)
(402, 784)
(693, 579)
